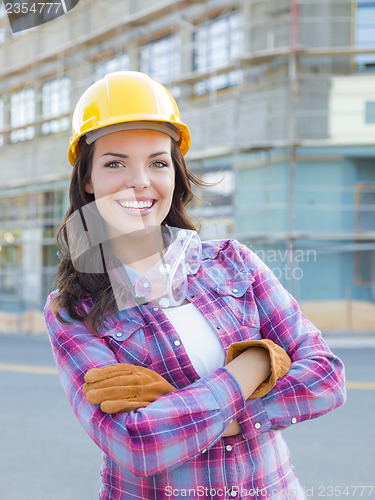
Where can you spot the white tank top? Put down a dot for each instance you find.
(198, 338)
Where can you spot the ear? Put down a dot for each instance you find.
(88, 188)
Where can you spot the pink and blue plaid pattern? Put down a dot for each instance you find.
(174, 448)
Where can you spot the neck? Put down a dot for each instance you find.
(141, 249)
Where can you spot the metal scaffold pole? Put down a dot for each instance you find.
(293, 94)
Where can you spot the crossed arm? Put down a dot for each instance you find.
(251, 368)
(256, 365)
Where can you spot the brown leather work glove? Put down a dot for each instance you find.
(280, 362)
(123, 387)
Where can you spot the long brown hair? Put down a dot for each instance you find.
(75, 286)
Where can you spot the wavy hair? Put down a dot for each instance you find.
(75, 286)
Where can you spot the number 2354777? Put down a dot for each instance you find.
(33, 8)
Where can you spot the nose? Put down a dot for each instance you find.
(137, 178)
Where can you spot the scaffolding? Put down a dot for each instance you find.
(261, 83)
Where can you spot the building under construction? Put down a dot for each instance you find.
(279, 96)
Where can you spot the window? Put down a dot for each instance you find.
(30, 207)
(9, 210)
(366, 207)
(53, 208)
(119, 62)
(365, 32)
(55, 103)
(365, 259)
(2, 122)
(22, 113)
(218, 42)
(214, 205)
(370, 113)
(219, 195)
(160, 59)
(10, 264)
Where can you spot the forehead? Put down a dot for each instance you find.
(131, 140)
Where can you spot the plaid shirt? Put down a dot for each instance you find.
(174, 447)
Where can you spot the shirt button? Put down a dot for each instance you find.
(192, 296)
(204, 451)
(177, 343)
(218, 328)
(164, 302)
(155, 309)
(234, 290)
(257, 425)
(233, 493)
(119, 334)
(294, 420)
(229, 447)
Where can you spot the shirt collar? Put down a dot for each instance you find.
(211, 248)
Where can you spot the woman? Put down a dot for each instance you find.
(182, 359)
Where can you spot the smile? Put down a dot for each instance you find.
(139, 205)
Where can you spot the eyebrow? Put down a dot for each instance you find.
(153, 155)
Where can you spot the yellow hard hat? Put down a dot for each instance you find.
(122, 97)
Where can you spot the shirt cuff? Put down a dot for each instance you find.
(254, 419)
(227, 393)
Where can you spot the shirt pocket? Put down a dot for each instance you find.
(238, 295)
(127, 341)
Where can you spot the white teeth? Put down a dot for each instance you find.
(136, 204)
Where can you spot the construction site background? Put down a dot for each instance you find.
(279, 96)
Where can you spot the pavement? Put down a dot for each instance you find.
(46, 455)
(349, 339)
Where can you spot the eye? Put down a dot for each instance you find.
(160, 164)
(113, 164)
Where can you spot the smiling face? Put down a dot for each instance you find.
(132, 179)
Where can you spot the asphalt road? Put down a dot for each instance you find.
(46, 455)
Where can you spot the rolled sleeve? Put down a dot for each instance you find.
(315, 383)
